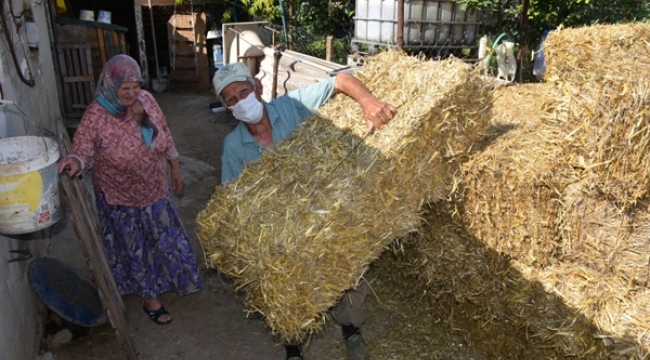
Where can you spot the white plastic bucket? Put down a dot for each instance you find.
(29, 184)
(104, 17)
(87, 15)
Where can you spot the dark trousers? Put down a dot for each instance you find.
(350, 309)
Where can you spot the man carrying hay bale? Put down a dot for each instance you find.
(264, 125)
(261, 126)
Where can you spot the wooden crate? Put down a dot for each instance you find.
(105, 40)
(189, 62)
(78, 80)
(83, 47)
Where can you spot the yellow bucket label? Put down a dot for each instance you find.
(17, 191)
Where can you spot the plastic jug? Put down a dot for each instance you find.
(539, 62)
(506, 63)
(482, 47)
(217, 52)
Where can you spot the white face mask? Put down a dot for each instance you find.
(248, 110)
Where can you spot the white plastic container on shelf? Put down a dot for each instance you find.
(217, 53)
(217, 48)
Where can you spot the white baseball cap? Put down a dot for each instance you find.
(228, 74)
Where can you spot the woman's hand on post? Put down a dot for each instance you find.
(69, 164)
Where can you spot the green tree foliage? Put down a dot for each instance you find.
(550, 14)
(268, 10)
(324, 17)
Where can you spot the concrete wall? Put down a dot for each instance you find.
(24, 110)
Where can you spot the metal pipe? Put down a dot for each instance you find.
(400, 25)
(284, 23)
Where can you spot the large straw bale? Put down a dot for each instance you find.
(619, 309)
(564, 197)
(448, 296)
(560, 197)
(597, 234)
(302, 224)
(592, 54)
(603, 74)
(509, 190)
(511, 193)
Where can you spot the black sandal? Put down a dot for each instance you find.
(293, 352)
(155, 315)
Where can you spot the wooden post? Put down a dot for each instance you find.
(328, 49)
(153, 35)
(238, 55)
(277, 54)
(102, 44)
(142, 48)
(523, 43)
(85, 220)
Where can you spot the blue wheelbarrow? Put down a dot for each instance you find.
(66, 293)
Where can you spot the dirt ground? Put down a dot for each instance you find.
(211, 324)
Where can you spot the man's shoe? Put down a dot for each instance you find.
(354, 343)
(293, 352)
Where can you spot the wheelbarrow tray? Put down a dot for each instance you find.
(66, 293)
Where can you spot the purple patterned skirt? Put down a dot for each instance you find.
(148, 249)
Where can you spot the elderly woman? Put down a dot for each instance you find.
(123, 138)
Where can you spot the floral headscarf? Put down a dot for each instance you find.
(118, 69)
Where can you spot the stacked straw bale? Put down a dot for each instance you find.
(451, 296)
(594, 128)
(511, 193)
(302, 224)
(448, 296)
(566, 196)
(511, 189)
(602, 72)
(595, 232)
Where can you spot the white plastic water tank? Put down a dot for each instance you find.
(426, 22)
(379, 14)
